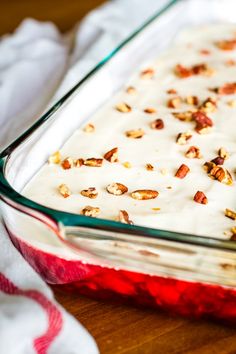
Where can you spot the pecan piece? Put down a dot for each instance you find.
(93, 162)
(233, 230)
(147, 73)
(218, 160)
(79, 162)
(127, 164)
(222, 175)
(112, 155)
(89, 193)
(150, 110)
(157, 124)
(124, 217)
(227, 44)
(90, 211)
(131, 90)
(208, 166)
(117, 188)
(55, 158)
(192, 100)
(144, 194)
(226, 89)
(171, 92)
(89, 128)
(182, 138)
(223, 153)
(230, 214)
(232, 103)
(182, 71)
(64, 190)
(186, 116)
(135, 134)
(203, 122)
(200, 198)
(174, 102)
(199, 69)
(205, 52)
(149, 167)
(208, 106)
(123, 107)
(182, 171)
(193, 153)
(67, 163)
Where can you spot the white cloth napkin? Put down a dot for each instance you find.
(35, 65)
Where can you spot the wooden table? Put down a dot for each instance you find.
(118, 328)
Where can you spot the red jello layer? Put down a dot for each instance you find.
(177, 296)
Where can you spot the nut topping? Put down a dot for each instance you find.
(171, 92)
(147, 73)
(89, 193)
(223, 153)
(227, 44)
(193, 153)
(131, 90)
(144, 194)
(218, 161)
(199, 69)
(209, 105)
(67, 163)
(79, 162)
(174, 102)
(182, 171)
(135, 134)
(124, 217)
(192, 100)
(186, 116)
(149, 167)
(123, 107)
(117, 188)
(90, 211)
(89, 128)
(226, 89)
(222, 175)
(200, 198)
(55, 158)
(64, 190)
(127, 164)
(230, 214)
(93, 162)
(150, 110)
(182, 138)
(112, 155)
(203, 122)
(157, 124)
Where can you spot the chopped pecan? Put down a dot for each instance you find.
(223, 153)
(89, 128)
(131, 90)
(93, 162)
(127, 164)
(157, 124)
(147, 73)
(208, 106)
(90, 211)
(218, 160)
(182, 171)
(182, 71)
(117, 188)
(123, 107)
(135, 134)
(205, 52)
(232, 103)
(174, 102)
(233, 230)
(230, 62)
(67, 163)
(186, 116)
(89, 193)
(112, 155)
(227, 44)
(230, 214)
(79, 162)
(124, 217)
(193, 153)
(150, 110)
(55, 158)
(182, 138)
(149, 167)
(203, 122)
(226, 89)
(64, 190)
(208, 166)
(200, 198)
(171, 92)
(222, 175)
(192, 100)
(199, 69)
(144, 194)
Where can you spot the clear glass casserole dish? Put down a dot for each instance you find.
(186, 274)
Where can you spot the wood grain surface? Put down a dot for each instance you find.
(119, 328)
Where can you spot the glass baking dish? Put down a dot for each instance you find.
(183, 273)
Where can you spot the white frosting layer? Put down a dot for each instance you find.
(178, 211)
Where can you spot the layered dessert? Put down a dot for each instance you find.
(162, 152)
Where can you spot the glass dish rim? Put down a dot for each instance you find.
(9, 194)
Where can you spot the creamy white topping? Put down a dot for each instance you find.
(178, 211)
